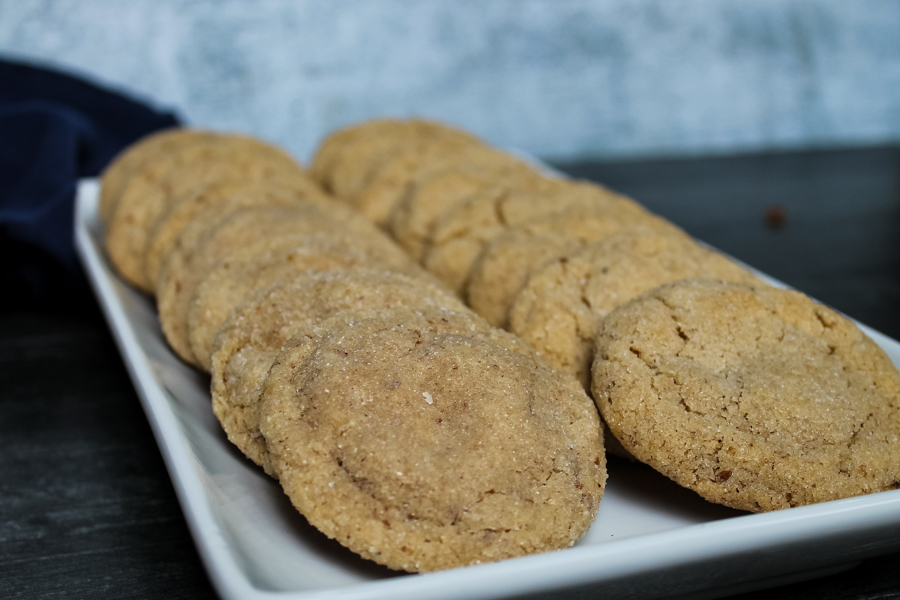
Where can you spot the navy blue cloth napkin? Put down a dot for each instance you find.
(54, 129)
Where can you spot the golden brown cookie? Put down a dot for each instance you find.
(214, 215)
(460, 234)
(183, 210)
(336, 142)
(509, 259)
(150, 192)
(250, 339)
(754, 397)
(335, 145)
(442, 187)
(559, 309)
(421, 447)
(187, 264)
(273, 258)
(347, 164)
(131, 160)
(398, 177)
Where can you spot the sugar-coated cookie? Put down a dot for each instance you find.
(273, 258)
(509, 259)
(562, 304)
(439, 188)
(422, 447)
(131, 160)
(187, 264)
(246, 345)
(149, 194)
(348, 160)
(460, 233)
(754, 397)
(400, 175)
(183, 210)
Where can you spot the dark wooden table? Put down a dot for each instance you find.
(86, 506)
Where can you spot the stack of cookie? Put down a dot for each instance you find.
(757, 398)
(397, 420)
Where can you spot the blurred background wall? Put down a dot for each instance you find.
(561, 79)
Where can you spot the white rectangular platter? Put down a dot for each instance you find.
(651, 539)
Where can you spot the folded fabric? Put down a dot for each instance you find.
(55, 129)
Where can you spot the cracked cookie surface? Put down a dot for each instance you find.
(755, 397)
(399, 176)
(422, 447)
(348, 160)
(507, 262)
(441, 185)
(562, 304)
(460, 233)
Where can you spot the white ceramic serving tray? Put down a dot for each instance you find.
(651, 539)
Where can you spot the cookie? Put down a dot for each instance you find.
(562, 304)
(442, 187)
(508, 260)
(212, 216)
(131, 160)
(252, 336)
(339, 157)
(150, 192)
(336, 142)
(414, 164)
(460, 234)
(168, 227)
(271, 259)
(187, 264)
(754, 397)
(421, 447)
(347, 164)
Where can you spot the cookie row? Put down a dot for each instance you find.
(485, 235)
(585, 276)
(486, 224)
(398, 421)
(145, 183)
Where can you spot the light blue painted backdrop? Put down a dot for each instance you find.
(560, 79)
